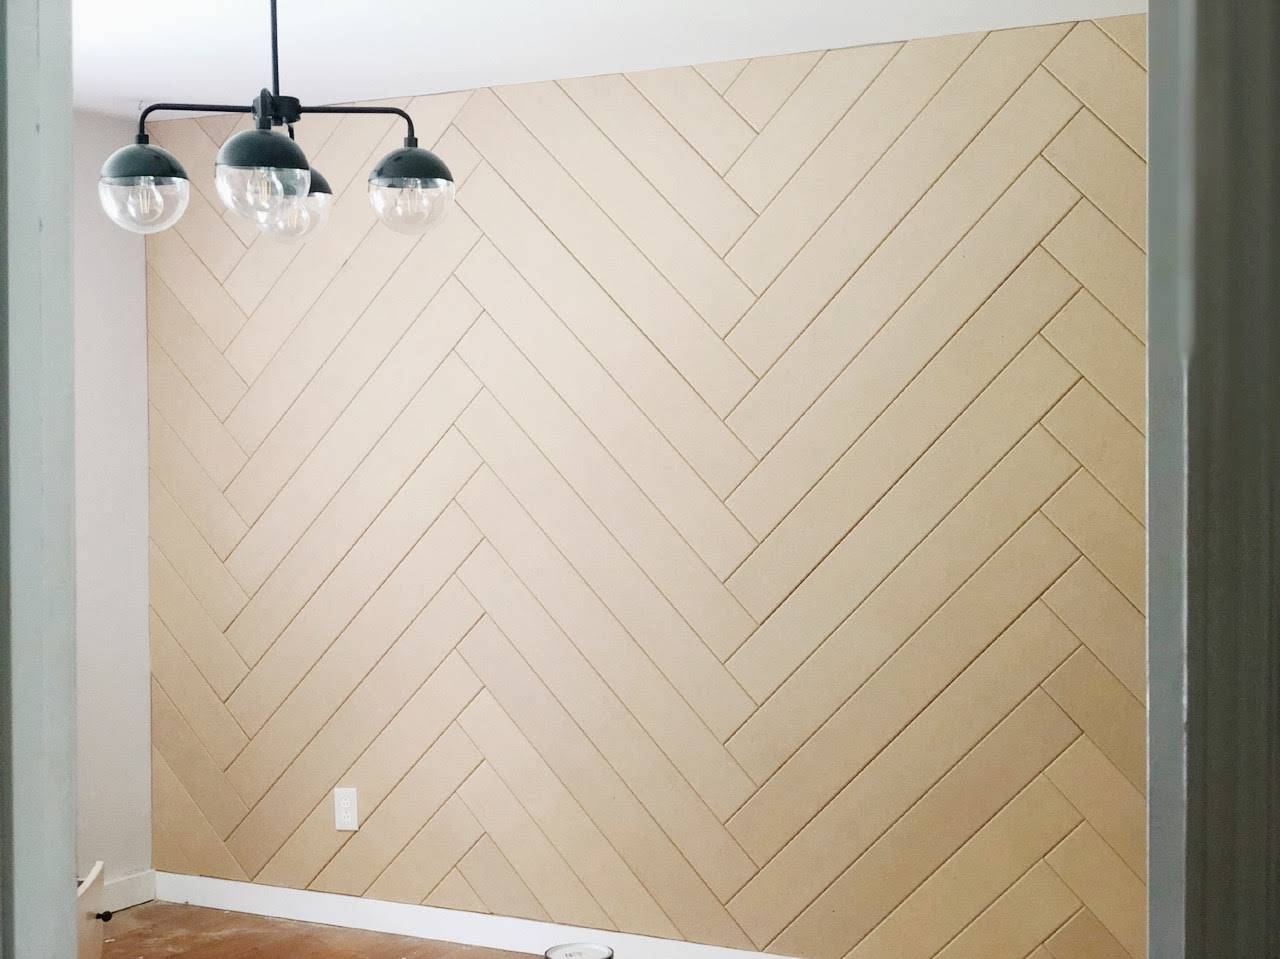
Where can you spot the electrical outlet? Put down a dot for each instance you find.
(346, 814)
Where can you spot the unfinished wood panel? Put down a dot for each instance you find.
(1105, 884)
(727, 526)
(1084, 937)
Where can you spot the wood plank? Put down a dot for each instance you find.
(1129, 32)
(194, 698)
(975, 877)
(765, 85)
(562, 819)
(1105, 621)
(664, 157)
(828, 332)
(898, 180)
(186, 411)
(830, 765)
(1105, 443)
(674, 722)
(897, 517)
(494, 879)
(694, 347)
(685, 419)
(631, 201)
(192, 558)
(693, 107)
(950, 339)
(674, 804)
(1106, 261)
(531, 855)
(199, 774)
(597, 401)
(683, 895)
(1104, 169)
(350, 404)
(721, 73)
(801, 204)
(1015, 925)
(337, 744)
(454, 892)
(195, 287)
(1105, 532)
(910, 850)
(302, 680)
(979, 526)
(1104, 884)
(429, 856)
(1106, 79)
(1109, 356)
(416, 447)
(191, 349)
(552, 431)
(373, 298)
(1108, 801)
(187, 838)
(387, 828)
(1084, 937)
(181, 612)
(188, 483)
(380, 767)
(1104, 709)
(801, 124)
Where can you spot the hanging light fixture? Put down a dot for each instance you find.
(264, 176)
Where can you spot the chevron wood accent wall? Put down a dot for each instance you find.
(727, 526)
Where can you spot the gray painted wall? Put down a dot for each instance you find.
(113, 658)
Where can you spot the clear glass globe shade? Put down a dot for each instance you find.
(319, 205)
(292, 218)
(288, 221)
(410, 205)
(253, 191)
(144, 204)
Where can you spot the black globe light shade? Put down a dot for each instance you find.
(256, 170)
(411, 189)
(143, 188)
(319, 185)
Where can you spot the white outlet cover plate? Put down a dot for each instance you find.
(346, 813)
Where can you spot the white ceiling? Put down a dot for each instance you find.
(129, 52)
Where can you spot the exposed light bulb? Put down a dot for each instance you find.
(254, 192)
(262, 188)
(145, 205)
(288, 221)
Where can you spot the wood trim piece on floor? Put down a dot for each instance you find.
(426, 922)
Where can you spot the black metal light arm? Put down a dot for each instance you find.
(281, 118)
(186, 107)
(410, 140)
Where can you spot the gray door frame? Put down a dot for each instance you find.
(1171, 32)
(37, 558)
(1214, 480)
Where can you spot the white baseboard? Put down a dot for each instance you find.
(422, 922)
(125, 891)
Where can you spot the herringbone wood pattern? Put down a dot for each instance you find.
(727, 526)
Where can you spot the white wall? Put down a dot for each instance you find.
(113, 656)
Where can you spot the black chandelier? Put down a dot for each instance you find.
(265, 177)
